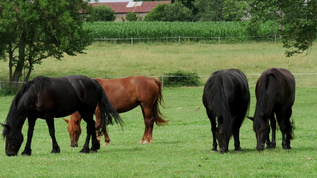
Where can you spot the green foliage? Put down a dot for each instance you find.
(210, 10)
(7, 91)
(181, 78)
(156, 14)
(31, 31)
(235, 10)
(102, 13)
(297, 18)
(169, 13)
(131, 16)
(230, 31)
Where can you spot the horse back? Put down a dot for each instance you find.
(127, 93)
(65, 95)
(277, 85)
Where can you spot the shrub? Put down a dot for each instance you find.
(181, 78)
(131, 16)
(6, 91)
(169, 13)
(102, 13)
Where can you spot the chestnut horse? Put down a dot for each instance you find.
(48, 98)
(125, 94)
(275, 94)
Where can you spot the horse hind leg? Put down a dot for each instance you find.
(273, 126)
(98, 120)
(286, 128)
(51, 127)
(148, 122)
(91, 132)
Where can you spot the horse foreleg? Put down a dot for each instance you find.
(51, 127)
(27, 150)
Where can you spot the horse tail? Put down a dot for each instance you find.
(261, 105)
(107, 111)
(218, 102)
(159, 101)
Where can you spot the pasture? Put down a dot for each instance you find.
(182, 148)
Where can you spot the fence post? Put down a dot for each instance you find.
(179, 39)
(162, 79)
(131, 40)
(275, 38)
(219, 40)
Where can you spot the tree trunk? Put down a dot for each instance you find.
(20, 64)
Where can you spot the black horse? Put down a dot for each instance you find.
(47, 98)
(275, 93)
(226, 97)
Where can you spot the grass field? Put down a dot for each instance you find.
(182, 148)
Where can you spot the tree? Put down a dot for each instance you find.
(209, 10)
(235, 10)
(297, 18)
(170, 13)
(31, 31)
(156, 14)
(102, 13)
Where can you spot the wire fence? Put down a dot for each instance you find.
(308, 79)
(180, 39)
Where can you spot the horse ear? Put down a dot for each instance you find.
(66, 120)
(251, 118)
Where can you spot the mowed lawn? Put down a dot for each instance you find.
(182, 148)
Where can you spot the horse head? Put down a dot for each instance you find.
(14, 139)
(223, 135)
(261, 128)
(74, 130)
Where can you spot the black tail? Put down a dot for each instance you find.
(218, 102)
(107, 111)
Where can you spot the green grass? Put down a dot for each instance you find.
(182, 148)
(104, 59)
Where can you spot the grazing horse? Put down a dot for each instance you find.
(125, 94)
(47, 98)
(275, 93)
(226, 97)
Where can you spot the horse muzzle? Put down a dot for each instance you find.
(74, 145)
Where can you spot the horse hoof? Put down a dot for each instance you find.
(93, 151)
(106, 143)
(24, 154)
(84, 151)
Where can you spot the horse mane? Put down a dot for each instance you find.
(14, 106)
(218, 101)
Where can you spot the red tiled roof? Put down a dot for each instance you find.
(121, 7)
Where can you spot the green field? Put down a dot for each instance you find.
(182, 148)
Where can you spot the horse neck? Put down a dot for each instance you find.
(15, 118)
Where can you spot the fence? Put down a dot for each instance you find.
(302, 79)
(179, 39)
